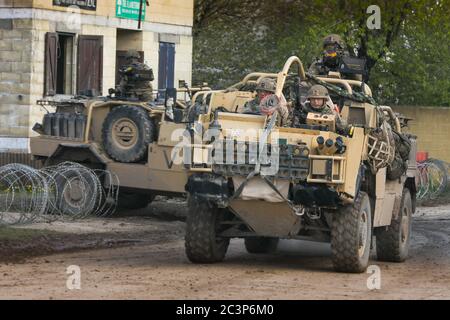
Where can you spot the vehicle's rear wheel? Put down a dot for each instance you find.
(202, 243)
(393, 241)
(351, 235)
(260, 245)
(133, 201)
(76, 193)
(127, 132)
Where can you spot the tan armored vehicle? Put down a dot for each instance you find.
(252, 179)
(131, 139)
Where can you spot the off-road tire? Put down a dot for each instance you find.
(127, 131)
(393, 241)
(202, 224)
(261, 245)
(75, 192)
(351, 235)
(134, 201)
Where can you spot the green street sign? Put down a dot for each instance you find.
(129, 9)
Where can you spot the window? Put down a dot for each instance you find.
(64, 60)
(59, 48)
(59, 64)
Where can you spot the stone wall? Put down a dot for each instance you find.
(16, 56)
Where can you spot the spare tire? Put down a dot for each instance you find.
(127, 132)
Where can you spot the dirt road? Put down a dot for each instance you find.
(148, 262)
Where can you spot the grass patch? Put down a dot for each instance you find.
(17, 234)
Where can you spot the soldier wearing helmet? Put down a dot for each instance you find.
(333, 56)
(136, 79)
(319, 101)
(333, 50)
(265, 89)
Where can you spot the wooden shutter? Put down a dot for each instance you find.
(51, 65)
(90, 65)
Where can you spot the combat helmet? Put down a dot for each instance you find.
(332, 39)
(132, 54)
(267, 84)
(318, 91)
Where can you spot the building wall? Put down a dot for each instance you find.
(22, 51)
(432, 126)
(16, 69)
(178, 12)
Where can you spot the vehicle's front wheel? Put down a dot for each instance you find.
(202, 243)
(393, 241)
(351, 235)
(259, 245)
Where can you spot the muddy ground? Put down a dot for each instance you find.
(140, 255)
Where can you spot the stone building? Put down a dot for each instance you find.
(54, 48)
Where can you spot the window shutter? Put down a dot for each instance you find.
(90, 65)
(51, 65)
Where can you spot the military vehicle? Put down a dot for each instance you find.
(338, 187)
(130, 138)
(254, 180)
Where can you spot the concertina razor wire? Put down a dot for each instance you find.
(64, 191)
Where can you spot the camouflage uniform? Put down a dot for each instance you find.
(318, 92)
(307, 108)
(322, 66)
(136, 79)
(254, 106)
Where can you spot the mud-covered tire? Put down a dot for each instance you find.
(261, 245)
(76, 193)
(351, 235)
(134, 201)
(393, 242)
(202, 244)
(127, 131)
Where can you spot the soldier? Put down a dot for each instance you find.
(332, 60)
(319, 101)
(265, 88)
(261, 104)
(136, 79)
(333, 51)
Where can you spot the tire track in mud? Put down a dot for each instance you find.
(157, 268)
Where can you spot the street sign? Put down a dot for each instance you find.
(129, 9)
(82, 4)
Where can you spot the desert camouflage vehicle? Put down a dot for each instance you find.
(254, 180)
(131, 139)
